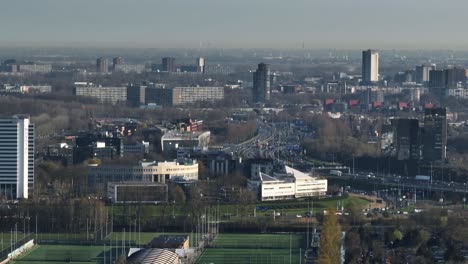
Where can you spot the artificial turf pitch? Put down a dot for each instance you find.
(253, 248)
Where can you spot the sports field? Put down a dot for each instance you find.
(61, 254)
(253, 248)
(143, 238)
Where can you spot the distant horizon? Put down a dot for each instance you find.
(276, 24)
(113, 45)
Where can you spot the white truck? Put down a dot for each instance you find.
(336, 172)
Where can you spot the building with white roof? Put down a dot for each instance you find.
(290, 184)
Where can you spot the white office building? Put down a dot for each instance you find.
(370, 66)
(291, 184)
(16, 157)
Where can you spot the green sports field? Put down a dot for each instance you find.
(61, 254)
(253, 248)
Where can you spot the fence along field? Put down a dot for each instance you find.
(254, 248)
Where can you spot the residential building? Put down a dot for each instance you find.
(136, 95)
(218, 69)
(34, 68)
(17, 152)
(169, 64)
(370, 66)
(372, 97)
(158, 95)
(109, 95)
(422, 73)
(435, 134)
(441, 81)
(190, 95)
(102, 65)
(117, 61)
(25, 89)
(406, 138)
(261, 83)
(200, 64)
(129, 68)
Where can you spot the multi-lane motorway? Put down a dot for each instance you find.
(274, 140)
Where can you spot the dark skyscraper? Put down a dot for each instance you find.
(117, 61)
(422, 72)
(169, 65)
(261, 83)
(406, 139)
(435, 134)
(370, 66)
(102, 65)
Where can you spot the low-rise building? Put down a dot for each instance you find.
(152, 256)
(138, 148)
(181, 171)
(25, 89)
(137, 192)
(170, 242)
(286, 185)
(173, 140)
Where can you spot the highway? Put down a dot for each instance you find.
(277, 141)
(403, 183)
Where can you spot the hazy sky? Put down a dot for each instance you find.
(383, 24)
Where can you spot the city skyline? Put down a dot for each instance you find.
(246, 24)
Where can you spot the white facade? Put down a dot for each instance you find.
(293, 184)
(457, 92)
(111, 95)
(306, 185)
(145, 172)
(370, 66)
(272, 189)
(16, 157)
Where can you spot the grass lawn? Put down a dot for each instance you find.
(59, 254)
(253, 248)
(300, 207)
(289, 207)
